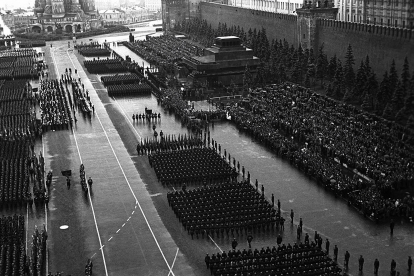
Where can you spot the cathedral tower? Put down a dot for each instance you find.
(58, 7)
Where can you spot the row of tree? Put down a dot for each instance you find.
(391, 97)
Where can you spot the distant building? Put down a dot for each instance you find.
(65, 16)
(17, 19)
(113, 17)
(279, 6)
(153, 5)
(392, 13)
(137, 14)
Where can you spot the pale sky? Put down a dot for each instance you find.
(14, 4)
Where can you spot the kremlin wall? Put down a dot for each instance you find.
(381, 43)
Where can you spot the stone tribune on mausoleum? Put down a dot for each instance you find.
(224, 62)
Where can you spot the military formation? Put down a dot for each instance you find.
(54, 105)
(168, 143)
(225, 208)
(18, 64)
(191, 165)
(92, 49)
(299, 259)
(105, 66)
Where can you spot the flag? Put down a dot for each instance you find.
(67, 173)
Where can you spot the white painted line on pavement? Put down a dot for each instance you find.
(123, 225)
(128, 218)
(44, 170)
(89, 191)
(117, 231)
(215, 243)
(133, 212)
(110, 238)
(132, 191)
(27, 223)
(175, 258)
(127, 118)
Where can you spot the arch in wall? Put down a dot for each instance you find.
(49, 29)
(78, 28)
(68, 28)
(36, 29)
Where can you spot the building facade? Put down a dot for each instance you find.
(392, 13)
(68, 16)
(278, 6)
(113, 17)
(137, 14)
(152, 5)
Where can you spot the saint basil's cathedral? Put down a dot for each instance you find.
(69, 16)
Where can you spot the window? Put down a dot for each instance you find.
(304, 36)
(389, 22)
(396, 23)
(403, 24)
(375, 21)
(382, 21)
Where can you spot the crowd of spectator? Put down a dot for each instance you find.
(164, 51)
(356, 155)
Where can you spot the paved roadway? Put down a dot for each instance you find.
(118, 214)
(134, 249)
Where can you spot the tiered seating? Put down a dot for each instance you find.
(105, 66)
(286, 117)
(302, 259)
(189, 165)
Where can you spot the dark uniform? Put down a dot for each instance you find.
(376, 266)
(347, 256)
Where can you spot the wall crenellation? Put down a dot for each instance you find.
(368, 28)
(381, 43)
